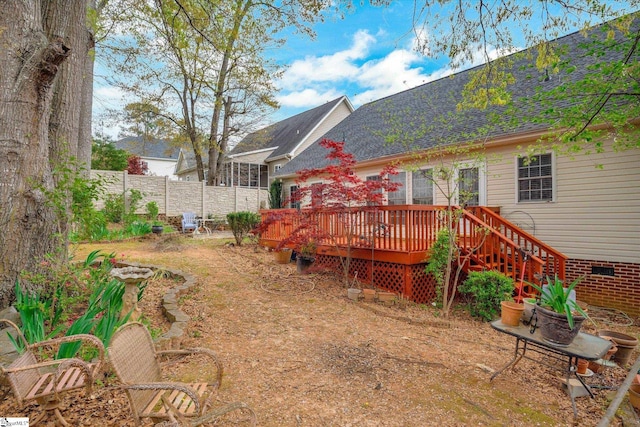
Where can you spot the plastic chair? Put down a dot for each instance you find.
(189, 222)
(137, 364)
(45, 381)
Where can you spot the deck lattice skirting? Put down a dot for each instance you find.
(410, 281)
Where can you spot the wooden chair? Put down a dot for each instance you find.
(45, 381)
(189, 222)
(133, 357)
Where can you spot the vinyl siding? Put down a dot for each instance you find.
(595, 213)
(337, 115)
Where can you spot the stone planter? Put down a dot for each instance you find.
(354, 294)
(554, 327)
(625, 343)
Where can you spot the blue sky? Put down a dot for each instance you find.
(367, 55)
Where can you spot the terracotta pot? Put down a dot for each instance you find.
(386, 298)
(283, 256)
(634, 395)
(582, 366)
(511, 313)
(369, 295)
(554, 327)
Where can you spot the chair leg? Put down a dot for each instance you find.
(51, 405)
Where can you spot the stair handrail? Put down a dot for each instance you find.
(535, 266)
(537, 246)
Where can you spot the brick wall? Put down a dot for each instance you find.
(621, 290)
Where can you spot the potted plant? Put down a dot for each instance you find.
(559, 316)
(305, 253)
(152, 213)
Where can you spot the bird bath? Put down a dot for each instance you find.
(131, 277)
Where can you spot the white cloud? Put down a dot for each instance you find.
(308, 98)
(329, 68)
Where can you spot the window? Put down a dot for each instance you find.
(375, 193)
(398, 197)
(535, 179)
(294, 196)
(422, 187)
(469, 186)
(276, 168)
(251, 175)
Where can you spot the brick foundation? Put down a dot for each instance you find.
(621, 290)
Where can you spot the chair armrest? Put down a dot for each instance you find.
(85, 338)
(198, 350)
(168, 387)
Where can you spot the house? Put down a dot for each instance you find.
(585, 205)
(159, 155)
(263, 152)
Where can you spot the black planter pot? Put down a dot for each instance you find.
(303, 263)
(554, 327)
(157, 229)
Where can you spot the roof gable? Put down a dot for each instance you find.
(155, 148)
(284, 136)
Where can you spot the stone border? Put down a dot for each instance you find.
(178, 319)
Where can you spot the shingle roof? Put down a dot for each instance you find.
(156, 148)
(284, 136)
(425, 116)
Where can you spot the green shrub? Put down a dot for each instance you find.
(114, 208)
(486, 290)
(152, 211)
(242, 223)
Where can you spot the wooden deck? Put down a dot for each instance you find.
(398, 238)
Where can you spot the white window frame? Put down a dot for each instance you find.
(482, 179)
(553, 180)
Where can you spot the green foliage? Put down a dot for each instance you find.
(242, 223)
(105, 156)
(440, 259)
(37, 314)
(556, 297)
(152, 210)
(44, 315)
(275, 194)
(114, 208)
(487, 289)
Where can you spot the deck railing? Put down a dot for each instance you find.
(487, 240)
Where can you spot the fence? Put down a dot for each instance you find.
(175, 197)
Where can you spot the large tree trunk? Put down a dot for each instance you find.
(39, 127)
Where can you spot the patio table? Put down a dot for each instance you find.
(202, 223)
(584, 346)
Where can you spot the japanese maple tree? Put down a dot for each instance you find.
(136, 166)
(343, 195)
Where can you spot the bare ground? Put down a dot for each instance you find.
(302, 354)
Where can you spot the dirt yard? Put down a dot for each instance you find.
(302, 354)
